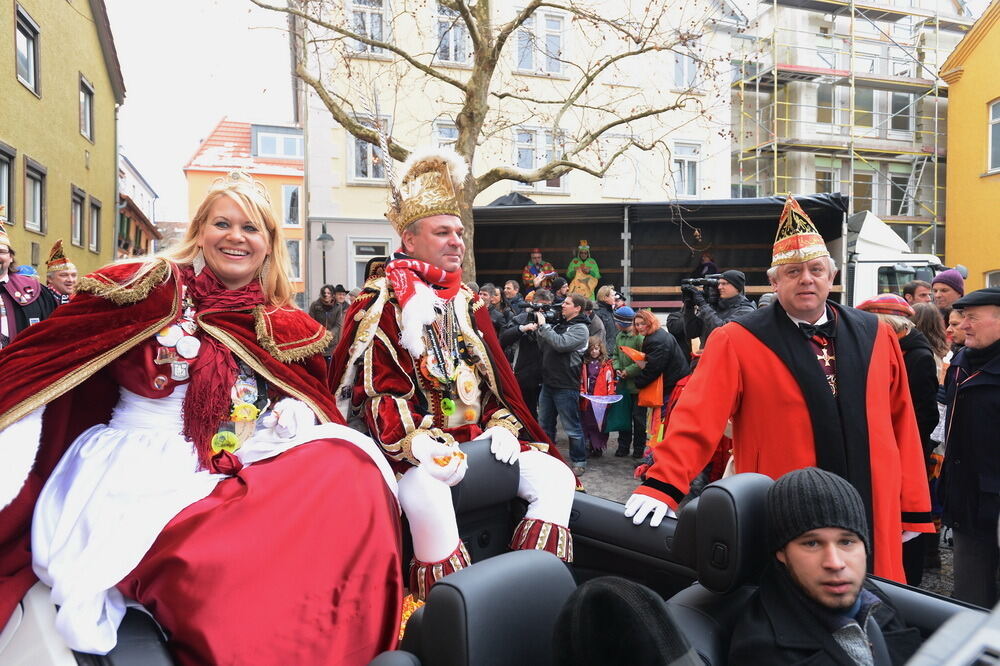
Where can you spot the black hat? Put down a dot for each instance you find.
(988, 296)
(339, 289)
(736, 278)
(809, 499)
(558, 283)
(611, 620)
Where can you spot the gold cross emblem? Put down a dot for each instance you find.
(826, 357)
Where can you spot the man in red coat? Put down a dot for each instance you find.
(806, 383)
(419, 367)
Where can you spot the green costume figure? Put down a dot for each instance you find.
(583, 272)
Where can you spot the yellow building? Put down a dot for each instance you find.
(58, 134)
(273, 154)
(973, 234)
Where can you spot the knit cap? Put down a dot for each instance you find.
(952, 278)
(624, 316)
(736, 278)
(889, 304)
(808, 499)
(611, 620)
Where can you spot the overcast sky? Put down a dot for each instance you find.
(188, 63)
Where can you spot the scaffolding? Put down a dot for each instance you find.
(844, 96)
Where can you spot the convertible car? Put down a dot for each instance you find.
(501, 611)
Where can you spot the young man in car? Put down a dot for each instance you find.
(814, 605)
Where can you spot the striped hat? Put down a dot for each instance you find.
(797, 240)
(889, 304)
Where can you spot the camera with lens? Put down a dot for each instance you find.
(709, 285)
(551, 313)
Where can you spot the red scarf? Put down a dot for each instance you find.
(404, 272)
(213, 372)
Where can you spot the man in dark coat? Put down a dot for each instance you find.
(814, 604)
(527, 362)
(702, 317)
(23, 300)
(970, 479)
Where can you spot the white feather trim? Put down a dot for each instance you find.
(418, 312)
(19, 443)
(457, 166)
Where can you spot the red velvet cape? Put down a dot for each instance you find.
(62, 363)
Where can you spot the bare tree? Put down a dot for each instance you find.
(612, 93)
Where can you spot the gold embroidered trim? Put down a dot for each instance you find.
(310, 346)
(406, 444)
(250, 359)
(129, 293)
(84, 372)
(504, 419)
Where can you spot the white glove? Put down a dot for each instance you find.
(639, 506)
(503, 444)
(442, 461)
(288, 417)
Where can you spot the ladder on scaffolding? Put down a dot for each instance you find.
(913, 185)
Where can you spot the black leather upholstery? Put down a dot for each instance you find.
(722, 535)
(487, 482)
(497, 612)
(140, 643)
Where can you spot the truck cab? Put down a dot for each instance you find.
(876, 260)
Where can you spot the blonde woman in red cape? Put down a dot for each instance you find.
(168, 439)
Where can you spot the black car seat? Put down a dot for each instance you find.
(498, 612)
(722, 536)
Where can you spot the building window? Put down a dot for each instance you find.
(6, 185)
(994, 136)
(446, 134)
(137, 247)
(864, 107)
(280, 145)
(95, 225)
(824, 181)
(369, 20)
(295, 265)
(26, 49)
(684, 165)
(535, 148)
(367, 165)
(685, 71)
(362, 251)
(992, 279)
(824, 103)
(902, 112)
(34, 197)
(453, 37)
(76, 217)
(863, 191)
(86, 109)
(300, 300)
(290, 204)
(540, 43)
(898, 201)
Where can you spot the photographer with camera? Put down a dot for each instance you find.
(562, 344)
(527, 358)
(712, 301)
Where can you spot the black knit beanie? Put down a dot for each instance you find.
(808, 499)
(736, 278)
(611, 620)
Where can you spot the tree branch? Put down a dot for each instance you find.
(364, 39)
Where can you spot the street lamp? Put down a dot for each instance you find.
(325, 242)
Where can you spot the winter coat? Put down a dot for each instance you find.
(332, 318)
(516, 305)
(607, 315)
(596, 327)
(663, 357)
(527, 361)
(711, 317)
(562, 349)
(921, 373)
(781, 626)
(969, 488)
(623, 362)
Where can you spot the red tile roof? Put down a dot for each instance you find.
(228, 147)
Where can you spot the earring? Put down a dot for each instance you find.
(198, 263)
(264, 268)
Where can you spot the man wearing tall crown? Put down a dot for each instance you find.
(806, 383)
(420, 368)
(23, 301)
(61, 276)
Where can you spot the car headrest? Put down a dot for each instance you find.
(683, 544)
(487, 481)
(731, 532)
(499, 611)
